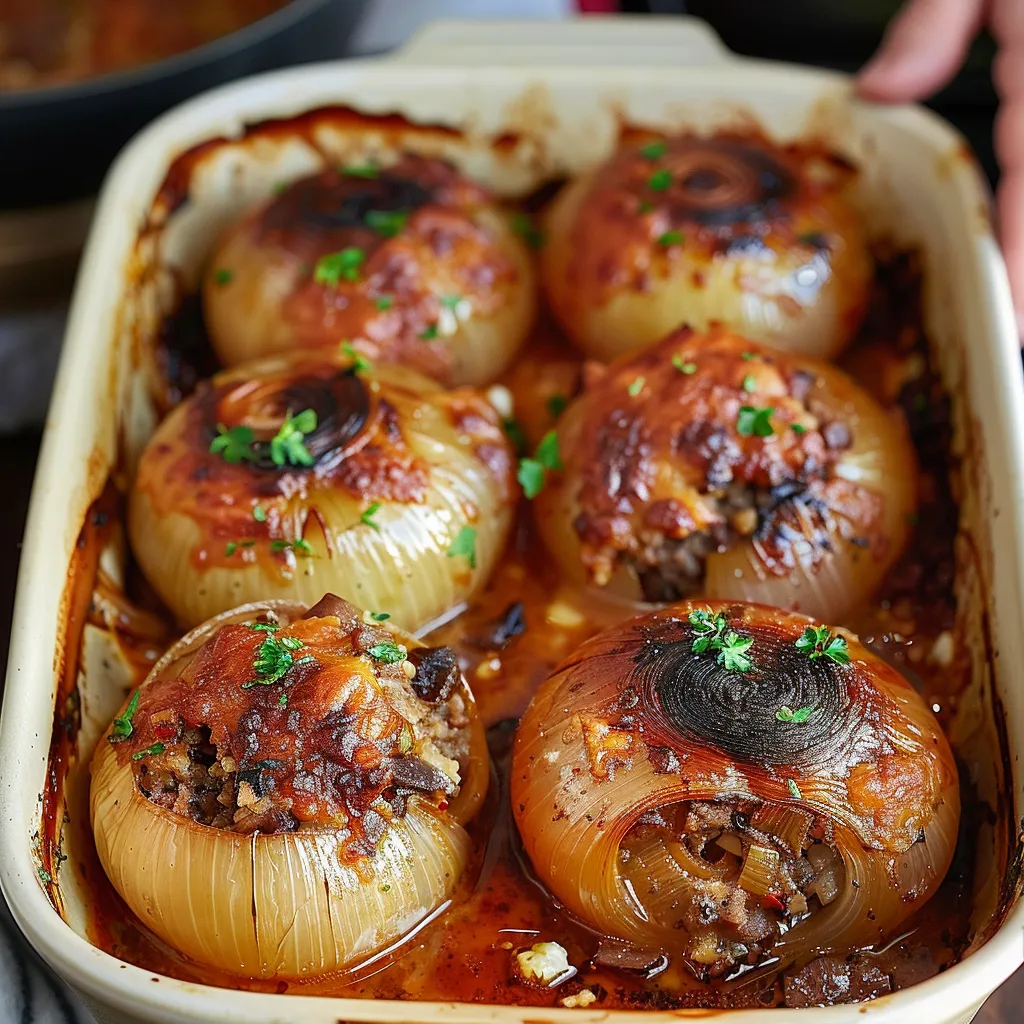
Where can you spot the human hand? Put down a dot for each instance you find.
(923, 49)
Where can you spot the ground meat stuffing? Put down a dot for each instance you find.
(316, 724)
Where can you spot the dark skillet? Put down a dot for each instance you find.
(57, 142)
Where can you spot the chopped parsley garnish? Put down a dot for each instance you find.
(429, 333)
(464, 545)
(532, 472)
(362, 171)
(451, 301)
(556, 405)
(787, 714)
(156, 748)
(232, 546)
(821, 642)
(514, 432)
(749, 383)
(523, 226)
(380, 616)
(259, 513)
(360, 364)
(687, 368)
(330, 269)
(300, 545)
(367, 516)
(233, 445)
(637, 386)
(122, 727)
(222, 275)
(280, 187)
(386, 222)
(273, 660)
(263, 627)
(747, 356)
(282, 701)
(653, 150)
(659, 181)
(709, 635)
(753, 422)
(733, 652)
(798, 428)
(388, 652)
(794, 789)
(383, 302)
(288, 444)
(671, 238)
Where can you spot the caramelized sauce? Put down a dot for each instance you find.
(521, 626)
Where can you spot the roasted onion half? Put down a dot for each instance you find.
(287, 792)
(710, 465)
(730, 782)
(691, 230)
(294, 475)
(411, 262)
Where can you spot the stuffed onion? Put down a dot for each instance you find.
(710, 465)
(691, 230)
(288, 792)
(730, 782)
(295, 475)
(410, 262)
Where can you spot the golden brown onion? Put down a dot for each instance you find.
(721, 782)
(404, 507)
(689, 231)
(412, 262)
(281, 802)
(709, 465)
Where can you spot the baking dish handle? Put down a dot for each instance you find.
(590, 42)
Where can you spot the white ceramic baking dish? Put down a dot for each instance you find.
(560, 92)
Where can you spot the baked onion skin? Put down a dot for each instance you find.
(639, 744)
(669, 492)
(692, 230)
(400, 468)
(320, 815)
(437, 280)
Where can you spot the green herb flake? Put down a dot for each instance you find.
(274, 659)
(637, 386)
(514, 432)
(230, 548)
(366, 518)
(429, 333)
(645, 207)
(707, 628)
(749, 384)
(263, 627)
(380, 616)
(360, 364)
(386, 887)
(821, 642)
(787, 714)
(361, 171)
(156, 748)
(450, 301)
(300, 546)
(233, 445)
(222, 275)
(44, 876)
(732, 653)
(682, 367)
(753, 422)
(335, 266)
(547, 453)
(798, 428)
(287, 446)
(384, 302)
(670, 238)
(280, 187)
(556, 405)
(464, 545)
(523, 226)
(530, 475)
(659, 181)
(653, 150)
(259, 513)
(388, 652)
(386, 222)
(122, 727)
(747, 356)
(794, 789)
(282, 701)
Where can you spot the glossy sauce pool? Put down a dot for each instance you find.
(508, 641)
